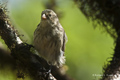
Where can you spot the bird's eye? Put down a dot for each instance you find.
(49, 15)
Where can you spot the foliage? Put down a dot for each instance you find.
(87, 49)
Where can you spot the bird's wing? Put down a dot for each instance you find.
(65, 39)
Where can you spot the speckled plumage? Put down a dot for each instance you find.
(50, 39)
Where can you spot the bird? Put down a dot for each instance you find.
(50, 39)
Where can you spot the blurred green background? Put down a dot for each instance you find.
(87, 49)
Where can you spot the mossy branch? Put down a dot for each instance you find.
(23, 55)
(107, 14)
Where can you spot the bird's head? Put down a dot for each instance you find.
(49, 16)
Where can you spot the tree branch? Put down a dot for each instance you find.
(20, 51)
(23, 53)
(107, 14)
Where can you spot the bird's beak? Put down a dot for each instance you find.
(44, 16)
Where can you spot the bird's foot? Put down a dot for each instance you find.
(45, 73)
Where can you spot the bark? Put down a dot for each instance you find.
(22, 55)
(107, 14)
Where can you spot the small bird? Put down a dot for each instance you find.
(50, 38)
